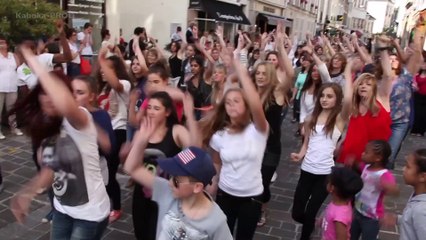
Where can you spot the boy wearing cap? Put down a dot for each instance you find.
(185, 210)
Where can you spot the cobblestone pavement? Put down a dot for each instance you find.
(18, 167)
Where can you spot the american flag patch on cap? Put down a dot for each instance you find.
(186, 156)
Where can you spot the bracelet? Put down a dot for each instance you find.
(381, 49)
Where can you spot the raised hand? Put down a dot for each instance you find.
(59, 24)
(146, 130)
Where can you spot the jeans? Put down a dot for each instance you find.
(365, 227)
(130, 133)
(399, 132)
(311, 191)
(244, 209)
(65, 227)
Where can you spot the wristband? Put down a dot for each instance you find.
(380, 49)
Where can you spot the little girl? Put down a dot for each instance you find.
(411, 224)
(378, 181)
(343, 184)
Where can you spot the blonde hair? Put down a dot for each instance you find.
(356, 98)
(267, 96)
(217, 88)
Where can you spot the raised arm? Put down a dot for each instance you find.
(328, 45)
(385, 88)
(416, 59)
(401, 53)
(191, 123)
(204, 52)
(248, 41)
(348, 43)
(139, 54)
(109, 73)
(284, 61)
(66, 56)
(60, 95)
(253, 99)
(219, 34)
(365, 57)
(348, 92)
(133, 164)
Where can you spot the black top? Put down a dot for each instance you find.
(273, 116)
(189, 37)
(164, 149)
(175, 66)
(142, 45)
(201, 95)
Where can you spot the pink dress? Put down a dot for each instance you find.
(336, 213)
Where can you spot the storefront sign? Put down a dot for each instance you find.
(268, 9)
(227, 17)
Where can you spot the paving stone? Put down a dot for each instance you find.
(114, 235)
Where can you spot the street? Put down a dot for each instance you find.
(18, 168)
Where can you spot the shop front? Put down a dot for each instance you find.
(210, 13)
(80, 12)
(268, 16)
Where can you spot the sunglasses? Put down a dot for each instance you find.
(176, 182)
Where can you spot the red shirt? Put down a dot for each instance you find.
(361, 130)
(421, 83)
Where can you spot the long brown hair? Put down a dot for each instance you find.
(356, 98)
(119, 69)
(218, 119)
(331, 120)
(341, 57)
(36, 123)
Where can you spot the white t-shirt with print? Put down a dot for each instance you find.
(173, 224)
(26, 76)
(241, 155)
(78, 185)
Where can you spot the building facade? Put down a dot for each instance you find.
(382, 11)
(304, 15)
(357, 15)
(159, 17)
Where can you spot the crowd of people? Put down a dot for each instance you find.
(197, 126)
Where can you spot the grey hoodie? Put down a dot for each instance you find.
(412, 221)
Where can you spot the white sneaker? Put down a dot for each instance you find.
(18, 132)
(274, 177)
(2, 136)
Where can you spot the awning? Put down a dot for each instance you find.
(221, 11)
(273, 20)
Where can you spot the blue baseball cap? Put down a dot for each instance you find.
(192, 162)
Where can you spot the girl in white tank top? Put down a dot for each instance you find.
(322, 131)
